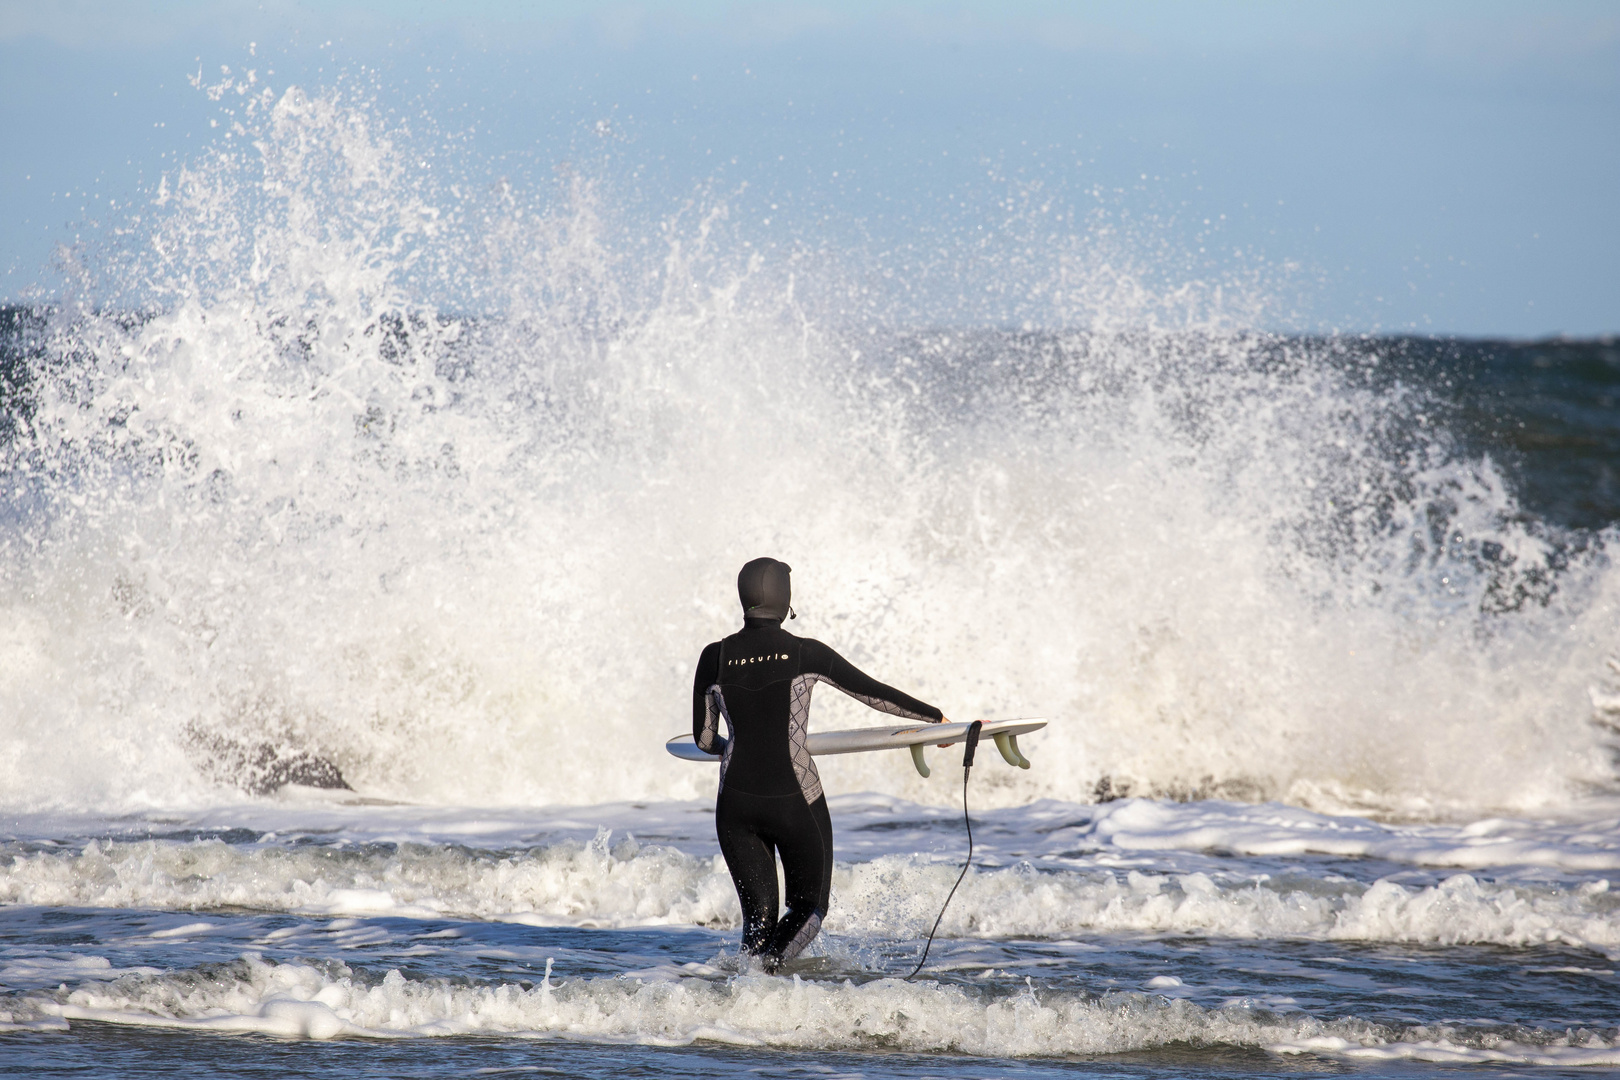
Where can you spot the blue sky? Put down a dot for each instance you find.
(1440, 167)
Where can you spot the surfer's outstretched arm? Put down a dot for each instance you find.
(827, 666)
(706, 702)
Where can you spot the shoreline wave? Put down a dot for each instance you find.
(302, 1001)
(628, 884)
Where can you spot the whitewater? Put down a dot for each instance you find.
(360, 527)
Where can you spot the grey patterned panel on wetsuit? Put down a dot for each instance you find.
(882, 706)
(804, 766)
(714, 708)
(807, 934)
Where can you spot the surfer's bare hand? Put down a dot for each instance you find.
(943, 719)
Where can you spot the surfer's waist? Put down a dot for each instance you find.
(732, 789)
(763, 774)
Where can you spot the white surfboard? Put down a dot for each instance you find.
(913, 737)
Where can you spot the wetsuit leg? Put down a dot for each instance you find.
(806, 849)
(752, 829)
(749, 856)
(824, 823)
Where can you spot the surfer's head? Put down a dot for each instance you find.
(765, 589)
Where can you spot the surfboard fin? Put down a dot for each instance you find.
(1008, 745)
(922, 765)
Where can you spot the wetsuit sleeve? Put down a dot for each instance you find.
(705, 713)
(829, 667)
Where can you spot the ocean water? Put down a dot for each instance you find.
(358, 533)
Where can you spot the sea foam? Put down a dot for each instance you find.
(599, 885)
(295, 1000)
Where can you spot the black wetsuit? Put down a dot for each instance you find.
(770, 801)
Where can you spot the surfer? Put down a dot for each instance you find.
(771, 803)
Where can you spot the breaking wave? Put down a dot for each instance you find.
(894, 896)
(301, 1001)
(335, 476)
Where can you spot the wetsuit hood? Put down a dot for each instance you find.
(765, 589)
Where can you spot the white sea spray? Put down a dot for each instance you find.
(444, 494)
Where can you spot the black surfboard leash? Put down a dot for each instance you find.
(967, 768)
